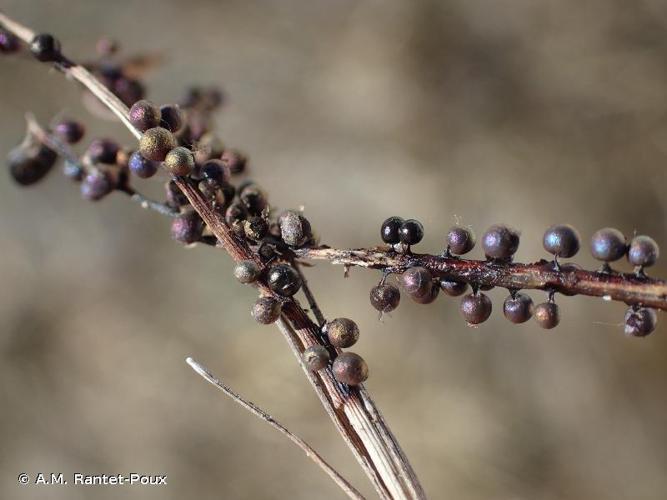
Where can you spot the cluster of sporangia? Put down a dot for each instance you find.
(179, 139)
(500, 243)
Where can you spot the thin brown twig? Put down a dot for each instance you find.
(632, 289)
(312, 302)
(36, 130)
(351, 409)
(149, 204)
(342, 483)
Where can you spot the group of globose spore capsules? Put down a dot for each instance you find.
(500, 243)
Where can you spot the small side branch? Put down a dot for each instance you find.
(149, 204)
(629, 288)
(69, 155)
(312, 302)
(262, 415)
(49, 140)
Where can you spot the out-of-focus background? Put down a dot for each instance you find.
(524, 112)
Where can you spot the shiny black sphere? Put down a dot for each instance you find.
(561, 240)
(476, 308)
(608, 244)
(389, 230)
(500, 242)
(518, 309)
(460, 240)
(284, 280)
(643, 251)
(411, 232)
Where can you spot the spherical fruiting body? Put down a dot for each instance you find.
(643, 251)
(155, 143)
(141, 167)
(295, 230)
(171, 117)
(640, 321)
(255, 228)
(266, 251)
(236, 212)
(235, 161)
(518, 308)
(342, 332)
(266, 310)
(460, 240)
(350, 368)
(427, 298)
(476, 308)
(45, 47)
(103, 151)
(128, 90)
(561, 240)
(389, 230)
(28, 166)
(253, 198)
(500, 242)
(284, 280)
(547, 315)
(417, 281)
(316, 357)
(385, 298)
(144, 115)
(411, 232)
(453, 288)
(69, 131)
(215, 171)
(96, 185)
(246, 271)
(179, 161)
(187, 227)
(608, 244)
(210, 146)
(9, 43)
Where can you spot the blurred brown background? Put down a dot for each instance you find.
(519, 111)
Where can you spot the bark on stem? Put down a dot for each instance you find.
(351, 409)
(629, 288)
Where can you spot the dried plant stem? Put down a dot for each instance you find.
(628, 288)
(262, 415)
(352, 410)
(355, 415)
